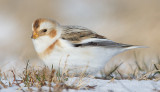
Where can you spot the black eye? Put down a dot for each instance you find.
(44, 30)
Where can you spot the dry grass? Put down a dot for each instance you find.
(51, 78)
(54, 79)
(141, 72)
(58, 79)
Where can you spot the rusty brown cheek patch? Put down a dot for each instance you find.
(52, 33)
(49, 49)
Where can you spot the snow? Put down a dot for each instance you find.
(100, 86)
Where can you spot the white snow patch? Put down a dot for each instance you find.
(102, 86)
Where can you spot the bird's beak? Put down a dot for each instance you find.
(34, 35)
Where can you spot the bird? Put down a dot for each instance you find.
(75, 47)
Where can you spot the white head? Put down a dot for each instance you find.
(45, 33)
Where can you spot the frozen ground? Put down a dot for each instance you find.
(100, 86)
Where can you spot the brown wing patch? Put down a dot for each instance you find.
(76, 37)
(49, 49)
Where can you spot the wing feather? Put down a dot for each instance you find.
(76, 35)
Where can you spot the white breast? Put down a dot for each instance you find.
(79, 57)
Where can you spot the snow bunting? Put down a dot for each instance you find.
(73, 46)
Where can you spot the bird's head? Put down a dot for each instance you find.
(45, 32)
(44, 27)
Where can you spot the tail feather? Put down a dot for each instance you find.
(134, 46)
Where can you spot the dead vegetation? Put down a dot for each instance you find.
(142, 71)
(58, 81)
(50, 78)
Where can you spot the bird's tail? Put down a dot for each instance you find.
(134, 46)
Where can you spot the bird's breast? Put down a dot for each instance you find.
(50, 49)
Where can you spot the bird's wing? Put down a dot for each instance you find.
(82, 37)
(77, 34)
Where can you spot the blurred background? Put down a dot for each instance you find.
(134, 22)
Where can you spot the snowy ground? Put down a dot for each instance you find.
(100, 86)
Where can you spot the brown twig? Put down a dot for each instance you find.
(5, 86)
(15, 80)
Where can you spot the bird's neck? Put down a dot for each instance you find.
(42, 43)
